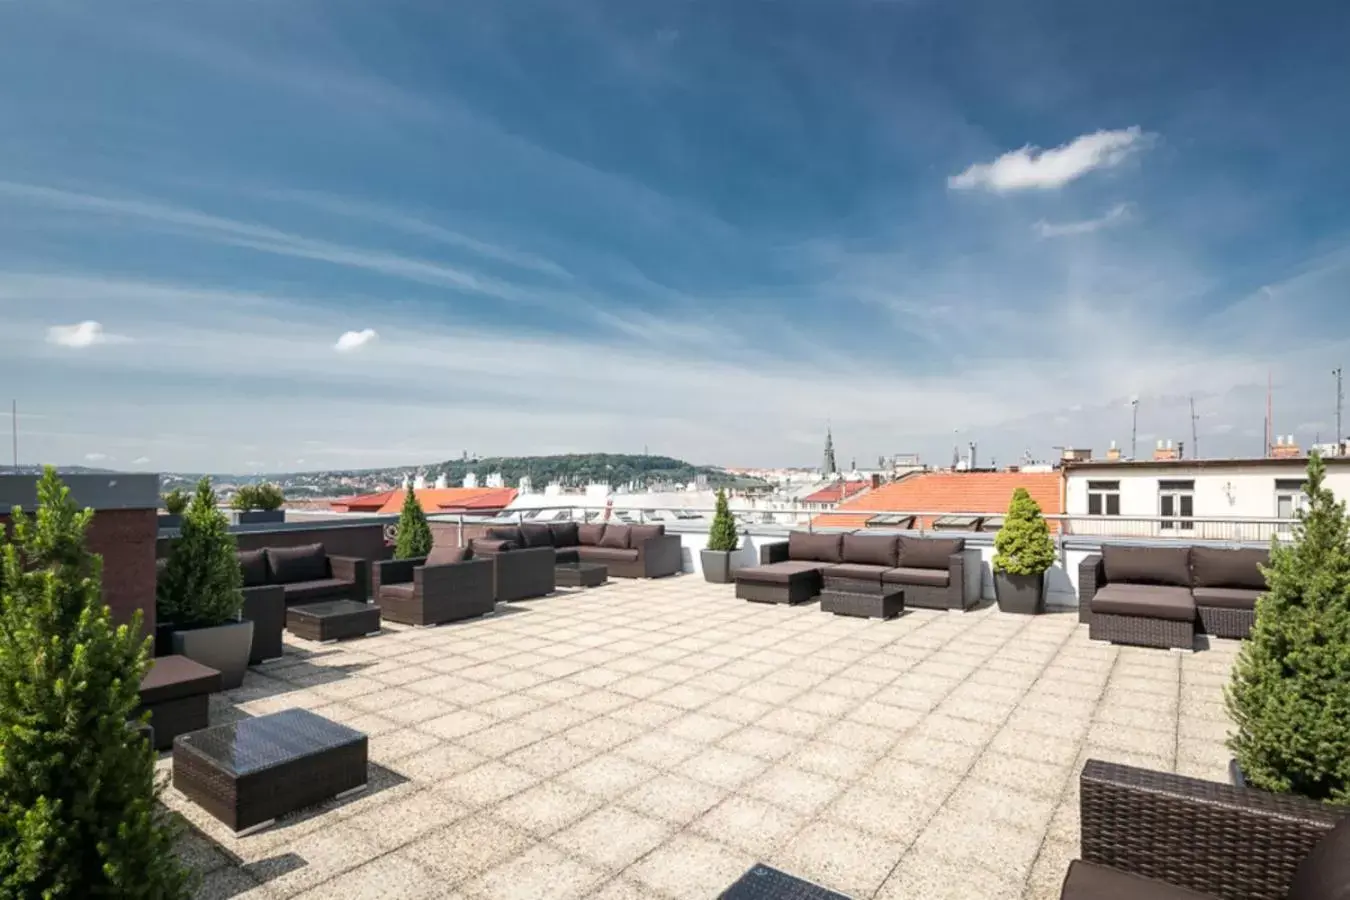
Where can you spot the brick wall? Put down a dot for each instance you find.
(125, 538)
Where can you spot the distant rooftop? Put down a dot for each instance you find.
(433, 500)
(948, 492)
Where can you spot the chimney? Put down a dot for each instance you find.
(1285, 448)
(1113, 454)
(1165, 451)
(876, 480)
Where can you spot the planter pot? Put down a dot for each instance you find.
(716, 565)
(1022, 594)
(164, 632)
(224, 648)
(170, 521)
(259, 517)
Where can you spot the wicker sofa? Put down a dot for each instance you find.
(307, 574)
(518, 573)
(446, 585)
(934, 573)
(627, 551)
(1157, 836)
(1154, 596)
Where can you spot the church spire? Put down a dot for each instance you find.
(829, 468)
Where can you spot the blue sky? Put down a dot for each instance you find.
(708, 228)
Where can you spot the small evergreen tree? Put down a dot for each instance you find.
(202, 584)
(1290, 691)
(267, 497)
(78, 816)
(245, 498)
(1023, 544)
(722, 535)
(175, 501)
(414, 534)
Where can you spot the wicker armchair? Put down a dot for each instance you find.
(1158, 836)
(426, 591)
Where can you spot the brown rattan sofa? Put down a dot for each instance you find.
(518, 573)
(1157, 836)
(446, 585)
(307, 574)
(934, 573)
(626, 551)
(1153, 596)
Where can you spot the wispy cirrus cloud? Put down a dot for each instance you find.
(81, 335)
(1116, 215)
(1032, 168)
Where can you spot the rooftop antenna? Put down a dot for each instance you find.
(1270, 422)
(1134, 428)
(1195, 438)
(14, 428)
(1340, 402)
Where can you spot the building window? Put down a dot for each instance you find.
(1176, 499)
(1289, 497)
(1103, 498)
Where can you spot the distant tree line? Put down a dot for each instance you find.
(579, 469)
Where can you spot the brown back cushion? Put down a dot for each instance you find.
(1216, 567)
(447, 554)
(290, 565)
(809, 547)
(872, 550)
(639, 534)
(507, 533)
(928, 553)
(589, 534)
(1147, 565)
(616, 537)
(254, 565)
(1324, 874)
(564, 534)
(537, 534)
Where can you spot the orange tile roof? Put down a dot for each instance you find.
(949, 492)
(432, 500)
(830, 493)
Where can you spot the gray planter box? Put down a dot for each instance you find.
(716, 565)
(170, 521)
(259, 517)
(224, 648)
(1021, 594)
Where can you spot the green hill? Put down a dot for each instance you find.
(579, 469)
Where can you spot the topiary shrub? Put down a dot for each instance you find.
(78, 815)
(175, 501)
(722, 535)
(268, 497)
(1023, 545)
(414, 534)
(201, 585)
(1289, 696)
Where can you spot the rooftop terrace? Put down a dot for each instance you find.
(654, 739)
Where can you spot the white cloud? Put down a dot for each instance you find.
(1031, 167)
(83, 334)
(140, 460)
(96, 457)
(355, 340)
(1116, 215)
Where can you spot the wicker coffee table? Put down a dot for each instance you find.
(869, 606)
(249, 773)
(333, 620)
(765, 883)
(580, 574)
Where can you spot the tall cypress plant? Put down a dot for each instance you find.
(414, 534)
(78, 815)
(1290, 691)
(722, 534)
(202, 583)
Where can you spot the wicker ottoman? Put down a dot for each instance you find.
(580, 574)
(177, 694)
(333, 621)
(249, 773)
(863, 605)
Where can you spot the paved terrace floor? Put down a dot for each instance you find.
(653, 739)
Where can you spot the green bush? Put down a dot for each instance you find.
(1023, 545)
(263, 496)
(201, 585)
(414, 534)
(78, 814)
(1290, 691)
(722, 535)
(175, 501)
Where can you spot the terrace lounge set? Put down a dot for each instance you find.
(1163, 596)
(931, 573)
(627, 551)
(446, 585)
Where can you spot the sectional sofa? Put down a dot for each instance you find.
(1160, 596)
(934, 573)
(627, 551)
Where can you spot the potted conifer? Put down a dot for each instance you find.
(78, 813)
(414, 533)
(175, 501)
(258, 504)
(1024, 553)
(201, 591)
(722, 543)
(1290, 691)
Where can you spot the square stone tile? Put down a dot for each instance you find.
(673, 799)
(980, 799)
(486, 785)
(325, 853)
(501, 739)
(646, 714)
(701, 728)
(737, 709)
(549, 757)
(723, 768)
(607, 776)
(509, 706)
(437, 764)
(840, 858)
(906, 777)
(832, 760)
(745, 823)
(659, 749)
(228, 884)
(937, 753)
(457, 724)
(394, 745)
(820, 703)
(690, 868)
(388, 876)
(933, 878)
(857, 736)
(393, 824)
(1000, 847)
(802, 792)
(546, 808)
(612, 837)
(540, 871)
(1040, 778)
(602, 733)
(793, 721)
(897, 818)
